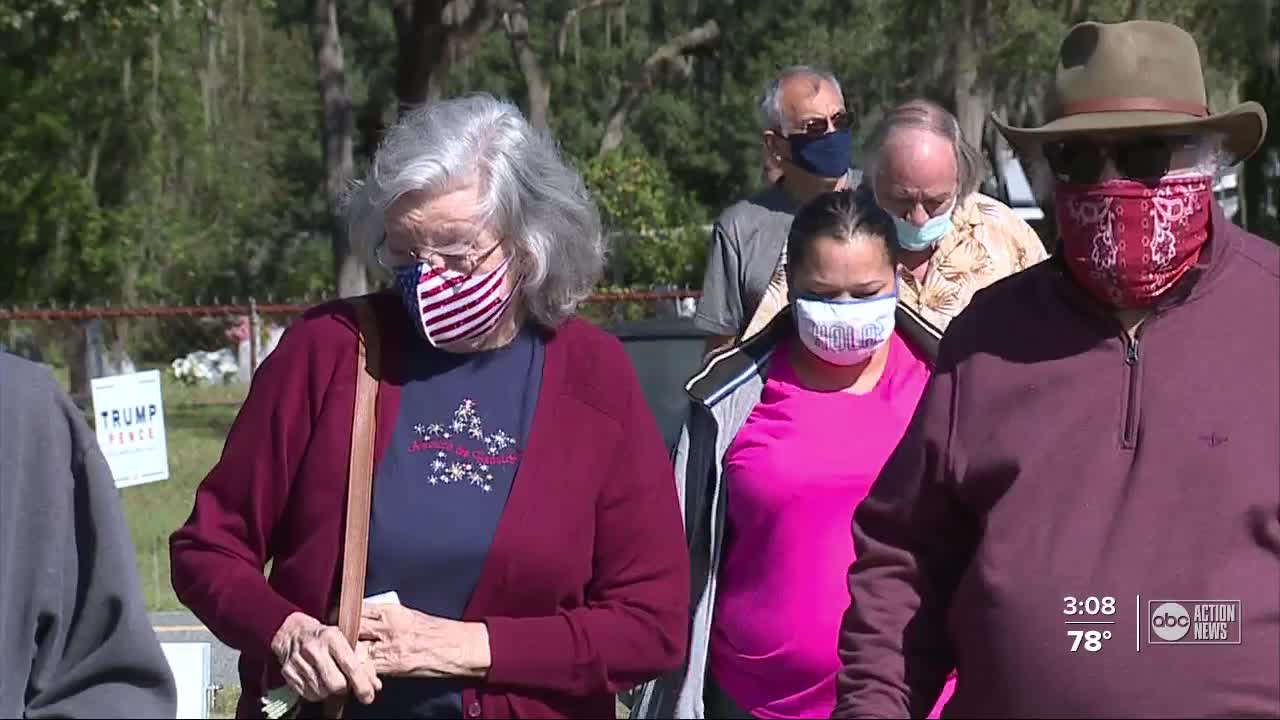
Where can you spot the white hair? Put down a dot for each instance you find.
(921, 114)
(1212, 157)
(771, 98)
(529, 195)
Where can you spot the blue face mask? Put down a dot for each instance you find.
(922, 237)
(826, 156)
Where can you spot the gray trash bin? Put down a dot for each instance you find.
(666, 352)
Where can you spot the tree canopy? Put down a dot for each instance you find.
(180, 150)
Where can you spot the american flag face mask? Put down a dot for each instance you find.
(451, 306)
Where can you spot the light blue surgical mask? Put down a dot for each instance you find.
(922, 237)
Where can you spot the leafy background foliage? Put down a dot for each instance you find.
(169, 151)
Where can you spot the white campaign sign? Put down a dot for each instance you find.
(128, 415)
(191, 664)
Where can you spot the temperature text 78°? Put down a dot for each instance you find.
(1090, 639)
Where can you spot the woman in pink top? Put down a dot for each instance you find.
(801, 419)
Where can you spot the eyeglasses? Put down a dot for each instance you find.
(817, 127)
(465, 261)
(1143, 158)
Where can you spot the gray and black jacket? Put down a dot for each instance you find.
(75, 640)
(723, 394)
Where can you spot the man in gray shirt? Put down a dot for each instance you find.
(75, 641)
(808, 136)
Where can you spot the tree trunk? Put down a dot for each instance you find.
(1263, 83)
(153, 105)
(973, 88)
(209, 30)
(121, 327)
(429, 36)
(673, 50)
(516, 23)
(1137, 10)
(336, 129)
(126, 77)
(420, 48)
(571, 23)
(76, 352)
(240, 54)
(1077, 11)
(1043, 183)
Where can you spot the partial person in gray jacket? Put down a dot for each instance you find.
(75, 640)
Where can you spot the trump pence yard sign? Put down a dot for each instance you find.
(129, 418)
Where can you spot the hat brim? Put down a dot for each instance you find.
(1243, 126)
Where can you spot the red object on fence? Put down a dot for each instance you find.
(89, 313)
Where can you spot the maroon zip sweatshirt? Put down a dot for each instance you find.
(585, 590)
(1083, 525)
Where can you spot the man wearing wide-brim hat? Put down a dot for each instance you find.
(1083, 519)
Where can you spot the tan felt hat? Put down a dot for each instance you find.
(1132, 76)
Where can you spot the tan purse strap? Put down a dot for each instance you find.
(355, 538)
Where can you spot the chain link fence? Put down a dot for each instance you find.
(219, 344)
(206, 355)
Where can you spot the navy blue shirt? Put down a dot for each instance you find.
(440, 491)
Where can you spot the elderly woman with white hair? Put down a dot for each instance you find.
(524, 511)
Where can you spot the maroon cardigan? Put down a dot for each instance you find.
(585, 589)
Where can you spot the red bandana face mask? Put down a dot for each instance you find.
(1127, 242)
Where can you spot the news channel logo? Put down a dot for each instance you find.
(1193, 622)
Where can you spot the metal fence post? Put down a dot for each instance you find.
(619, 272)
(253, 337)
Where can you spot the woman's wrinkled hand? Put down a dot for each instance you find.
(401, 642)
(318, 663)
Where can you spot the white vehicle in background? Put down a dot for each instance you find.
(1226, 190)
(1012, 187)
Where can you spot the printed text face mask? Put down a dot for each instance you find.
(448, 306)
(845, 332)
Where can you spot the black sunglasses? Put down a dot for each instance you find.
(817, 127)
(1144, 158)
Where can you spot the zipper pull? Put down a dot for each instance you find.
(1131, 352)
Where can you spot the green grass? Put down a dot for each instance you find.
(196, 424)
(224, 702)
(196, 421)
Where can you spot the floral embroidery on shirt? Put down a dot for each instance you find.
(464, 451)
